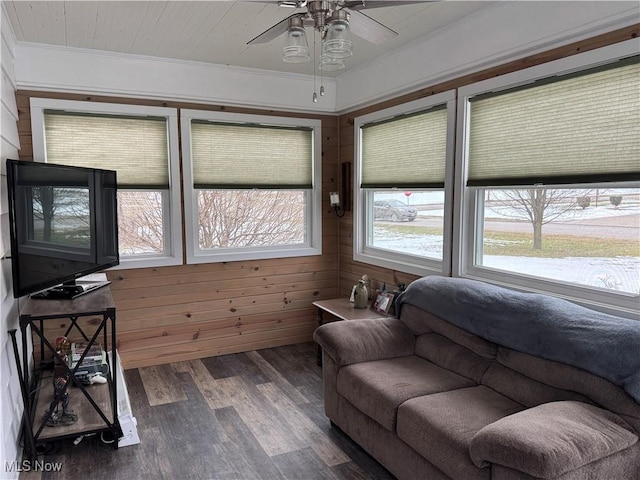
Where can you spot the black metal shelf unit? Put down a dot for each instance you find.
(91, 318)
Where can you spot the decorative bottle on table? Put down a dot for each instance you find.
(361, 295)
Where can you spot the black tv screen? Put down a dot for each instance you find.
(63, 224)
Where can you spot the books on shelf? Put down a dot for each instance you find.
(77, 349)
(95, 361)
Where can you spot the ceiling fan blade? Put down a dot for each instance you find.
(273, 32)
(362, 4)
(369, 29)
(282, 3)
(292, 3)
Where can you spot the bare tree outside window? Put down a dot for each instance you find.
(538, 206)
(140, 222)
(249, 218)
(581, 240)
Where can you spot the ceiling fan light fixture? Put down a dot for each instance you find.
(330, 64)
(337, 41)
(296, 48)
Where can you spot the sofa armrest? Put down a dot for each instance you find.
(354, 341)
(551, 439)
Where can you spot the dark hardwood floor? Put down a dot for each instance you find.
(253, 415)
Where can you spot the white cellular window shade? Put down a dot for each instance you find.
(405, 152)
(238, 156)
(581, 128)
(136, 147)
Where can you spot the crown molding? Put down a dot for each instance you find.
(75, 70)
(442, 56)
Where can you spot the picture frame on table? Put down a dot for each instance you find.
(382, 302)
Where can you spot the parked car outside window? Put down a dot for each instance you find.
(393, 210)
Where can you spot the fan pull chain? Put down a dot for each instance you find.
(315, 95)
(321, 76)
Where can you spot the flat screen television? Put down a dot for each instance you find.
(63, 226)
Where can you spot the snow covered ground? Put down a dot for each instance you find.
(429, 246)
(620, 273)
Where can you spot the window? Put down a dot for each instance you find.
(403, 199)
(550, 183)
(251, 186)
(140, 143)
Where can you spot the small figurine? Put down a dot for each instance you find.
(361, 294)
(54, 417)
(63, 346)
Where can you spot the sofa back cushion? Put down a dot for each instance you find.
(592, 388)
(421, 321)
(525, 390)
(450, 355)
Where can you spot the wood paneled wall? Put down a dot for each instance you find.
(350, 270)
(185, 312)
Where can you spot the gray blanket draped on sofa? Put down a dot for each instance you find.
(523, 322)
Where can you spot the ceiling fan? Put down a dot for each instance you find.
(320, 14)
(335, 20)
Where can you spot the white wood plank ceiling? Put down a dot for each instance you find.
(211, 31)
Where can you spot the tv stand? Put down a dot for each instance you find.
(69, 291)
(90, 319)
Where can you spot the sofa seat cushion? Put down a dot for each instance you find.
(378, 388)
(441, 426)
(552, 439)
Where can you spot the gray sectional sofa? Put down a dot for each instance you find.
(474, 381)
